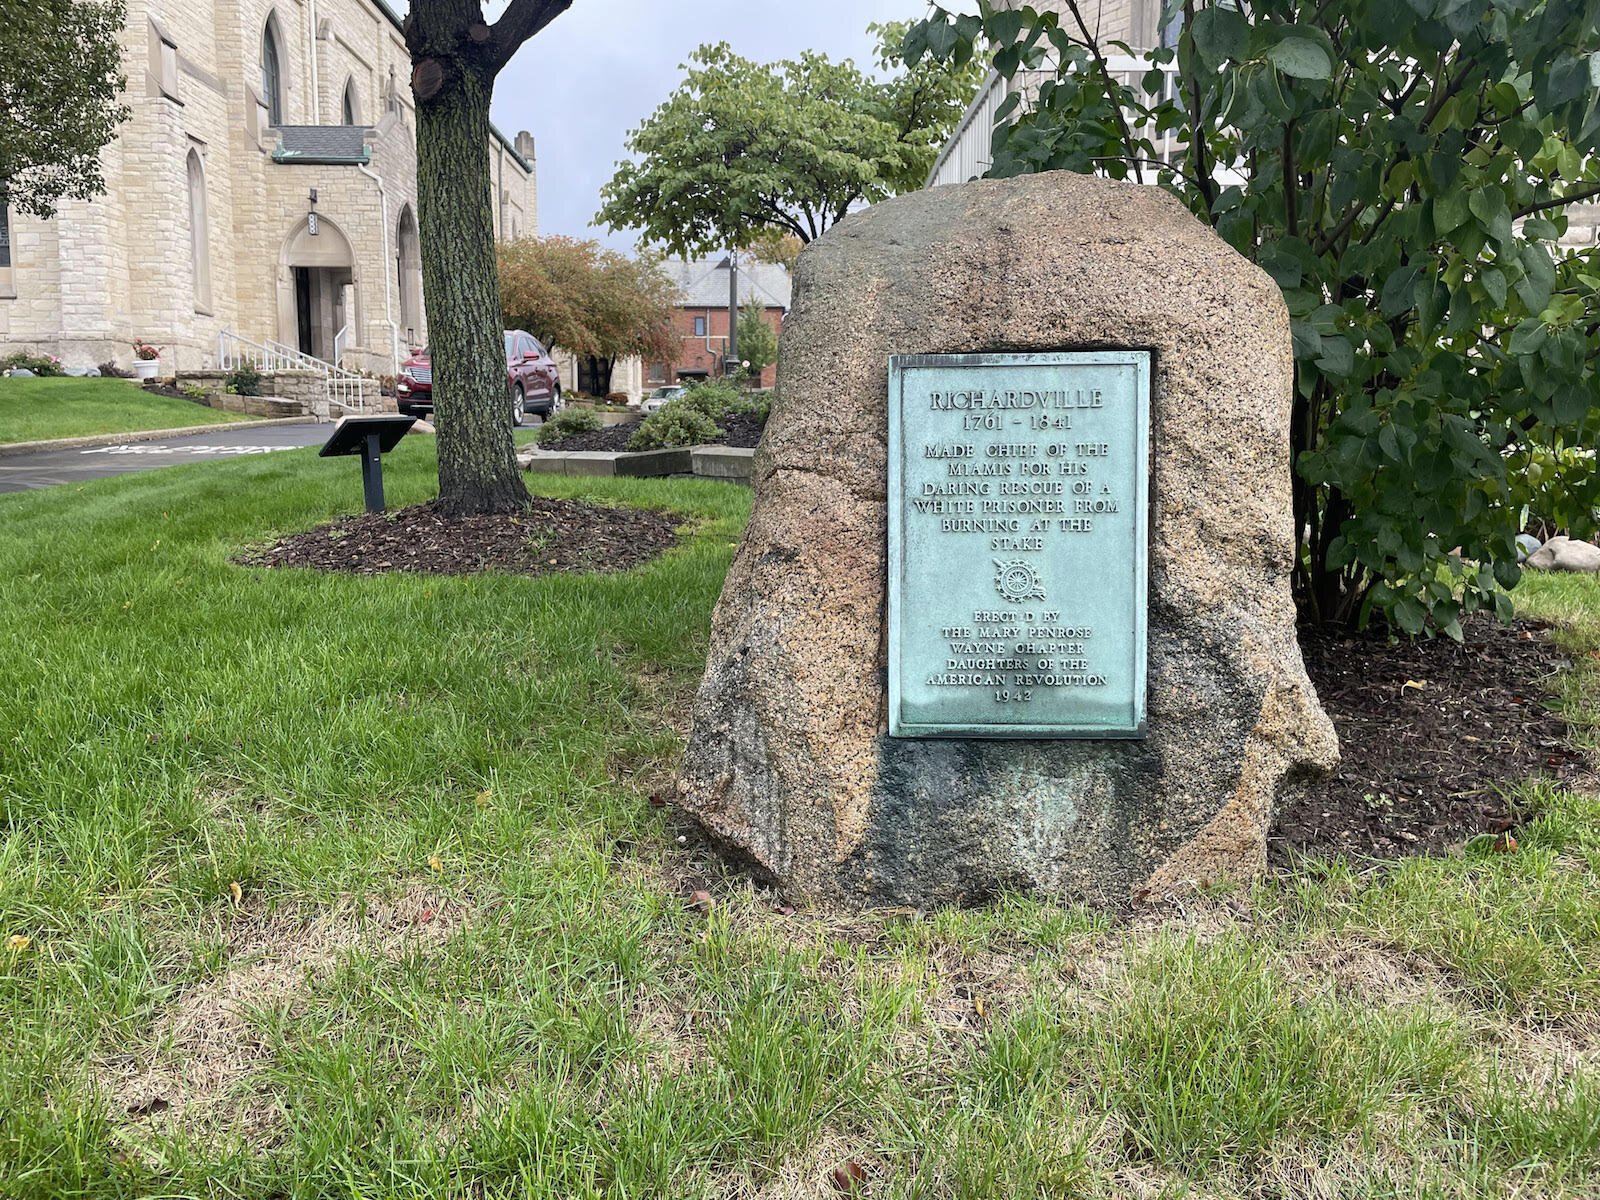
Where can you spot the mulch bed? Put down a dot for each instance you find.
(166, 389)
(549, 537)
(740, 430)
(1422, 767)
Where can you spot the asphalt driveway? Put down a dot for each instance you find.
(47, 468)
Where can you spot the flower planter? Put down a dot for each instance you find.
(146, 368)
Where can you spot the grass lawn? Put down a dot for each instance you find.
(350, 887)
(32, 410)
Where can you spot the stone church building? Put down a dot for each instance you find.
(263, 193)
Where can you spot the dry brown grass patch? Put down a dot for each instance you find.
(195, 1068)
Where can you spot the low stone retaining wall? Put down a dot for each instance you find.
(283, 394)
(707, 462)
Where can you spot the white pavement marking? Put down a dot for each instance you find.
(146, 448)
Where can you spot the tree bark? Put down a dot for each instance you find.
(453, 81)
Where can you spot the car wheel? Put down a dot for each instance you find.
(519, 407)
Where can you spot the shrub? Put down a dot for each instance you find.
(617, 398)
(713, 398)
(111, 371)
(567, 423)
(679, 423)
(1403, 173)
(194, 392)
(245, 381)
(1556, 488)
(39, 364)
(759, 405)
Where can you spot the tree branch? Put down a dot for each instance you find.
(1571, 198)
(1206, 185)
(1093, 44)
(521, 20)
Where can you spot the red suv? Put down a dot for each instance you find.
(532, 382)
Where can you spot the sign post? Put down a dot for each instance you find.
(371, 438)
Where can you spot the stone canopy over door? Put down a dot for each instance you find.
(317, 290)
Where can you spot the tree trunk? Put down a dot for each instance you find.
(477, 459)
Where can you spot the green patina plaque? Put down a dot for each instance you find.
(1018, 525)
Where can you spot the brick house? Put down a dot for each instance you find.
(243, 110)
(702, 316)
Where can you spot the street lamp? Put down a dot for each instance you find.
(730, 264)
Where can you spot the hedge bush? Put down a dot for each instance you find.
(567, 423)
(678, 423)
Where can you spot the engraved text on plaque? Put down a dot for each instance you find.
(1018, 499)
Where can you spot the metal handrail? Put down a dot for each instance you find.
(344, 389)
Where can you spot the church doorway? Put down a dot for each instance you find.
(317, 292)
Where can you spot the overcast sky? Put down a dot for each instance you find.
(603, 66)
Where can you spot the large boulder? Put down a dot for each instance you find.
(789, 764)
(1562, 553)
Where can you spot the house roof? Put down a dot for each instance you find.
(702, 284)
(336, 144)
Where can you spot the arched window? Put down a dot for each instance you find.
(271, 74)
(352, 108)
(408, 262)
(199, 235)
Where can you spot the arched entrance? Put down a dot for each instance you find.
(316, 290)
(408, 268)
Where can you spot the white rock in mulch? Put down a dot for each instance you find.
(20, 373)
(1527, 544)
(1561, 553)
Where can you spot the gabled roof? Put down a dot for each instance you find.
(702, 284)
(329, 144)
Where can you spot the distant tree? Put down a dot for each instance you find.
(1402, 171)
(758, 344)
(774, 246)
(743, 150)
(592, 302)
(455, 58)
(60, 100)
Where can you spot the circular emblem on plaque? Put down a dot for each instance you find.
(1017, 580)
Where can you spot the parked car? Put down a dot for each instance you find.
(654, 401)
(532, 382)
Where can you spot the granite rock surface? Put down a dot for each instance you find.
(1562, 553)
(789, 764)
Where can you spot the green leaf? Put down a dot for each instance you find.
(1398, 290)
(1565, 80)
(1571, 405)
(915, 44)
(1410, 616)
(1494, 283)
(1450, 210)
(1529, 336)
(1539, 277)
(1389, 442)
(942, 37)
(1220, 35)
(1300, 57)
(1338, 357)
(1002, 27)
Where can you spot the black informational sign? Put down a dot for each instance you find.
(371, 438)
